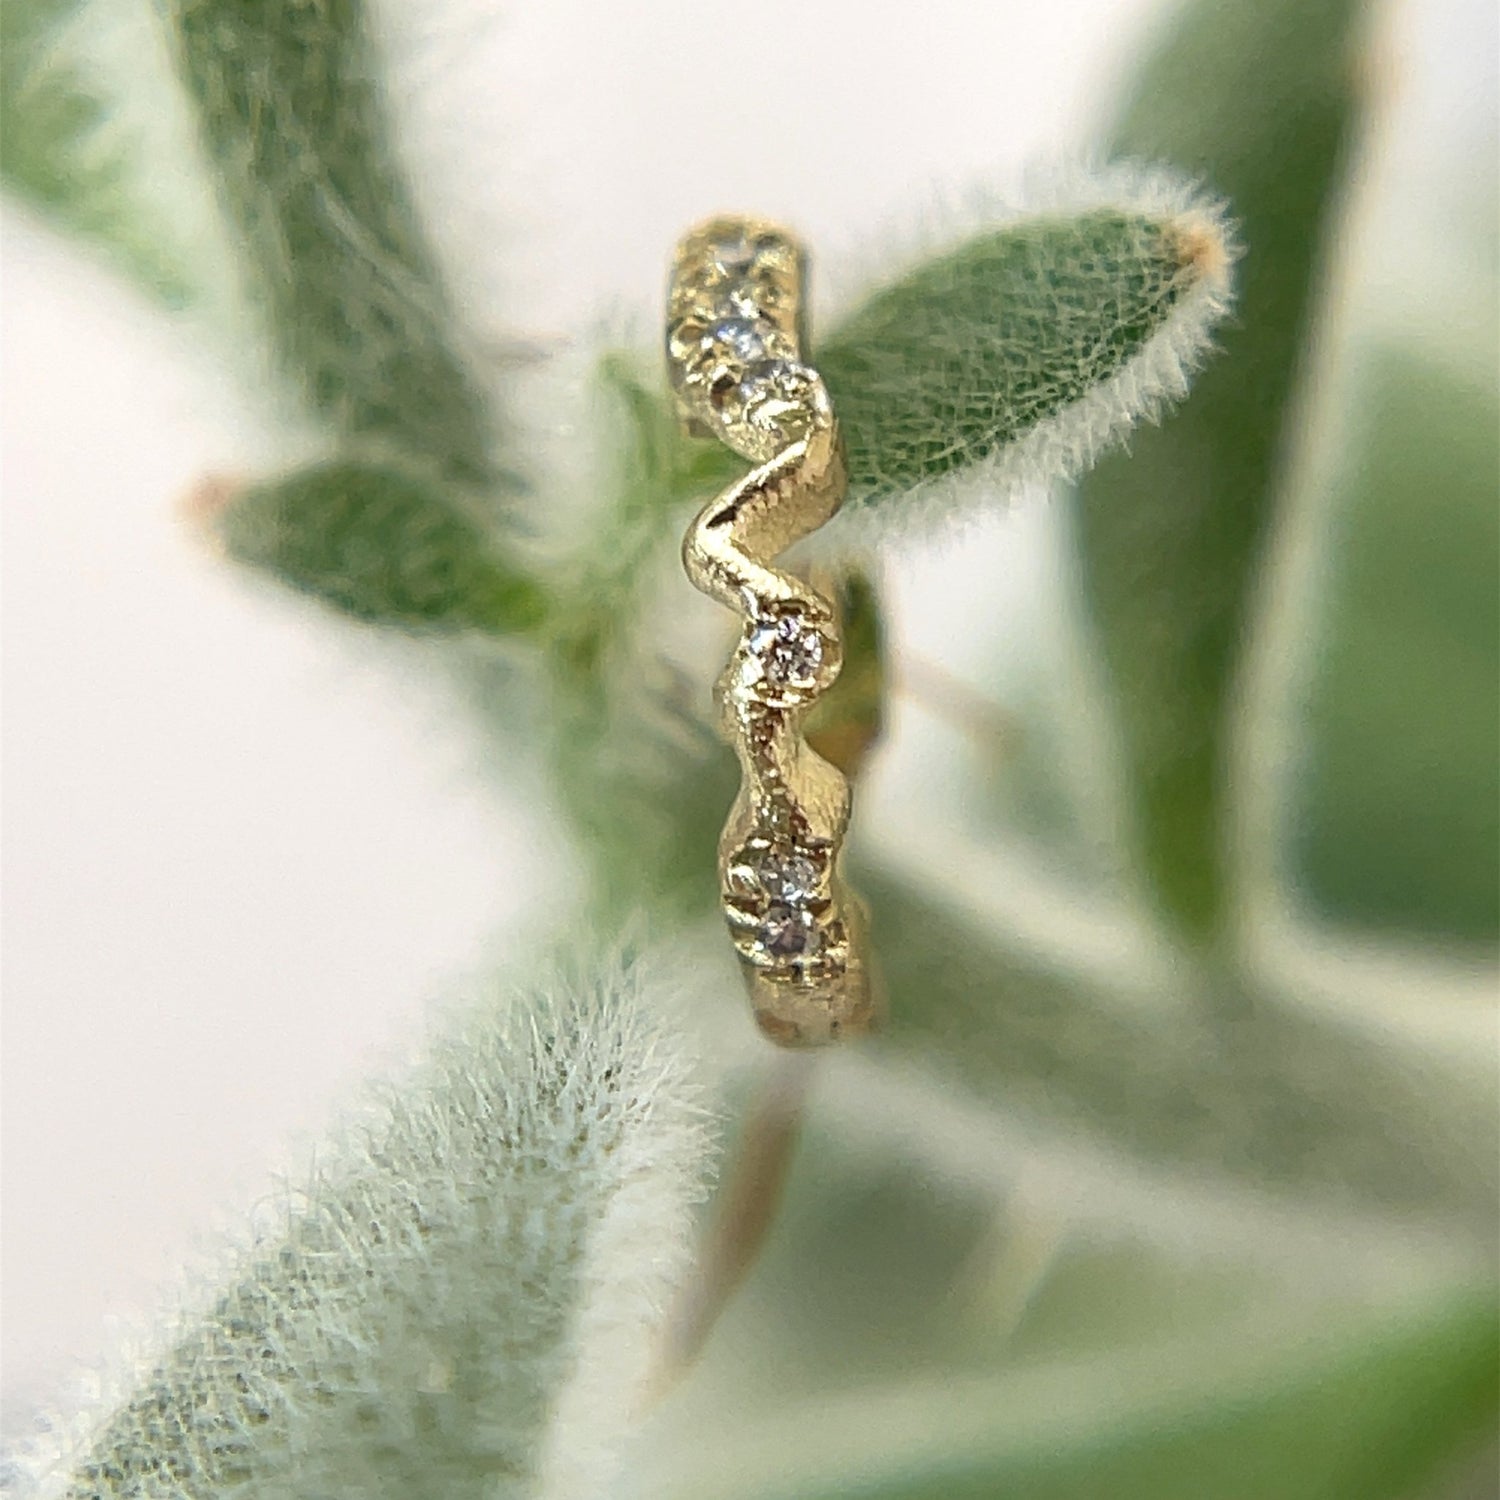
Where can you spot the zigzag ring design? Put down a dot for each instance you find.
(733, 334)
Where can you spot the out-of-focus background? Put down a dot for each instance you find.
(242, 853)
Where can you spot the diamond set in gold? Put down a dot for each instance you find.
(733, 352)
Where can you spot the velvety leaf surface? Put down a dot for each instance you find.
(382, 546)
(477, 1262)
(1008, 349)
(291, 115)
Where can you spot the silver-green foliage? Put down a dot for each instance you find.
(378, 542)
(1026, 350)
(492, 1236)
(1022, 342)
(66, 145)
(287, 98)
(1171, 541)
(1363, 1414)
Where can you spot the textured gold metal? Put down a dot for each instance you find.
(734, 316)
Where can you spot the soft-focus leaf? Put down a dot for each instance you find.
(645, 780)
(463, 1301)
(1358, 1410)
(1026, 348)
(382, 546)
(881, 1266)
(845, 723)
(57, 149)
(1061, 1347)
(1262, 101)
(287, 99)
(647, 786)
(1209, 1079)
(1396, 815)
(656, 470)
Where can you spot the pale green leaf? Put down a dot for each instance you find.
(62, 145)
(1261, 102)
(289, 105)
(1025, 349)
(1364, 1408)
(1395, 817)
(463, 1300)
(383, 546)
(1211, 1078)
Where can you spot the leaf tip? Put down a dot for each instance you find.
(1201, 241)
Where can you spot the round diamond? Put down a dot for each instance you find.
(784, 875)
(784, 651)
(733, 256)
(787, 932)
(741, 302)
(777, 395)
(744, 338)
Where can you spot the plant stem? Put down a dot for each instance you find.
(746, 1210)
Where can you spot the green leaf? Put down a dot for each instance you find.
(1208, 1078)
(903, 1250)
(462, 1301)
(287, 100)
(640, 773)
(383, 546)
(847, 721)
(1026, 348)
(657, 469)
(647, 787)
(1071, 1339)
(1396, 816)
(1261, 100)
(56, 146)
(1362, 1409)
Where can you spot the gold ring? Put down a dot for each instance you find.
(734, 324)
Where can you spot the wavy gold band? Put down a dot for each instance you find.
(733, 333)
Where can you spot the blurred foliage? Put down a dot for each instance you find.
(1397, 821)
(846, 722)
(56, 146)
(1197, 1078)
(1358, 1412)
(381, 545)
(288, 99)
(1014, 1352)
(1262, 101)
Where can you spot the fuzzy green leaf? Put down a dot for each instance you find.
(642, 776)
(382, 546)
(1027, 348)
(287, 100)
(462, 1301)
(1261, 100)
(1361, 1410)
(646, 784)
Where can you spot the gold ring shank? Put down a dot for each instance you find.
(735, 310)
